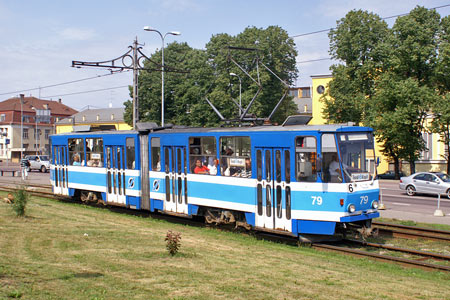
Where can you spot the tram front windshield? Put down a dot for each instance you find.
(357, 155)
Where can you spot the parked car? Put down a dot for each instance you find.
(426, 183)
(389, 175)
(38, 162)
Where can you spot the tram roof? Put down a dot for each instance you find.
(267, 128)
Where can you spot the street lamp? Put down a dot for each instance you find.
(148, 28)
(240, 92)
(21, 126)
(35, 133)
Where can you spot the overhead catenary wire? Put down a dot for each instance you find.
(112, 73)
(385, 18)
(85, 92)
(62, 83)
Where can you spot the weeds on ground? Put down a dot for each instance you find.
(173, 242)
(21, 197)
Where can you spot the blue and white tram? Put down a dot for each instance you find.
(303, 180)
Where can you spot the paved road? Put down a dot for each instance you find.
(398, 205)
(419, 208)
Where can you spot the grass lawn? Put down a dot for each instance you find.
(70, 251)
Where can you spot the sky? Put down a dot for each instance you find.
(40, 39)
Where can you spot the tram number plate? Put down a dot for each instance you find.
(316, 200)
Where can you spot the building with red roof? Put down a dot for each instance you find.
(25, 126)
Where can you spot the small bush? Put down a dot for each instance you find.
(21, 197)
(173, 240)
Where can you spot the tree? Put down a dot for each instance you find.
(360, 42)
(387, 79)
(441, 124)
(209, 75)
(441, 107)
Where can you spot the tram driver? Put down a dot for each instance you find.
(335, 169)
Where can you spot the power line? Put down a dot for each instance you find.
(85, 92)
(313, 60)
(390, 17)
(59, 84)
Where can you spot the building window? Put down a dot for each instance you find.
(25, 133)
(2, 117)
(321, 89)
(306, 93)
(427, 154)
(26, 119)
(47, 133)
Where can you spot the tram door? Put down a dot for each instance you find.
(60, 171)
(175, 179)
(115, 175)
(273, 203)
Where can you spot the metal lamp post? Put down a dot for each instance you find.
(35, 133)
(240, 92)
(21, 125)
(148, 28)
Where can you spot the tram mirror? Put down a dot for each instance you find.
(378, 161)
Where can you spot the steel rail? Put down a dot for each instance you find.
(399, 260)
(272, 236)
(411, 231)
(427, 254)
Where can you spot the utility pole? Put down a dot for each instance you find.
(130, 60)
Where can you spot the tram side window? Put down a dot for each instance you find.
(330, 160)
(131, 154)
(305, 159)
(76, 152)
(94, 152)
(156, 154)
(203, 155)
(235, 157)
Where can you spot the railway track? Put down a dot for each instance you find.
(410, 232)
(395, 230)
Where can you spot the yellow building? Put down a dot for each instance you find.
(94, 120)
(430, 160)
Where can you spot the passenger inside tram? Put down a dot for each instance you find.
(200, 168)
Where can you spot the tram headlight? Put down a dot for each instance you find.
(375, 204)
(351, 208)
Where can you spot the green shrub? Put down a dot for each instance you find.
(21, 197)
(173, 240)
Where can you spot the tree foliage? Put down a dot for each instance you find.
(209, 76)
(389, 77)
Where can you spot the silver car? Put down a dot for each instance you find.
(426, 183)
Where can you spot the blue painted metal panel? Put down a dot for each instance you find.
(192, 209)
(222, 192)
(104, 196)
(156, 204)
(71, 192)
(316, 227)
(360, 217)
(134, 201)
(250, 218)
(294, 226)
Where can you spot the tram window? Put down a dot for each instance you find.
(76, 152)
(235, 158)
(305, 159)
(203, 155)
(259, 165)
(156, 154)
(94, 152)
(131, 154)
(329, 154)
(287, 166)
